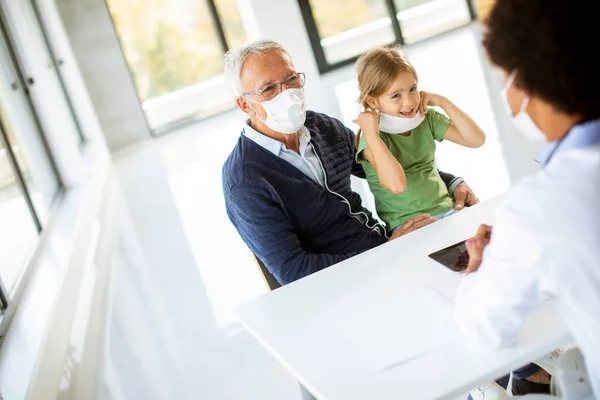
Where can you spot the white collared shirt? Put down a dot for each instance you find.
(307, 161)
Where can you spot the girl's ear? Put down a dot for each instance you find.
(371, 101)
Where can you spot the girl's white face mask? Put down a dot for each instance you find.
(286, 112)
(522, 120)
(396, 125)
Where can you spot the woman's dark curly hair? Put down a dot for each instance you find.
(553, 46)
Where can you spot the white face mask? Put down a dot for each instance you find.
(522, 120)
(286, 112)
(396, 125)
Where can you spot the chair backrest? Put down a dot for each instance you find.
(267, 276)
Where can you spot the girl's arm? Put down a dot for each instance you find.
(463, 130)
(389, 171)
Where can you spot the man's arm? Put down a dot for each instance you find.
(265, 228)
(450, 181)
(458, 188)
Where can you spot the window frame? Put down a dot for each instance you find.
(325, 66)
(9, 298)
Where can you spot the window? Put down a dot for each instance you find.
(346, 27)
(175, 52)
(232, 22)
(21, 133)
(28, 179)
(341, 30)
(17, 228)
(38, 68)
(420, 19)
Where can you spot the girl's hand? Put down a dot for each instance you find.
(429, 99)
(368, 122)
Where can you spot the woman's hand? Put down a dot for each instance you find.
(475, 247)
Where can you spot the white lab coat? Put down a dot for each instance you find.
(545, 244)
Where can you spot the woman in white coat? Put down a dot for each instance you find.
(545, 243)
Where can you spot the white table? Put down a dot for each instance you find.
(296, 323)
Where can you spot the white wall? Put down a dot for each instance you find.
(105, 72)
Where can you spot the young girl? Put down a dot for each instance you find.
(396, 148)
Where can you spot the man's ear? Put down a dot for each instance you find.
(371, 101)
(245, 106)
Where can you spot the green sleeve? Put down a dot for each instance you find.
(438, 123)
(362, 145)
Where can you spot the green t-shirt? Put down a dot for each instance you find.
(425, 191)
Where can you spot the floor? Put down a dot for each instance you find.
(199, 269)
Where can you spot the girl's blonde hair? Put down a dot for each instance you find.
(376, 70)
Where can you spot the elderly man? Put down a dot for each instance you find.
(287, 181)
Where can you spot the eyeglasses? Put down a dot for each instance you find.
(295, 81)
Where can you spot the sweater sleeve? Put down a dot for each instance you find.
(450, 181)
(267, 231)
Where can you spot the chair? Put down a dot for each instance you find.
(267, 276)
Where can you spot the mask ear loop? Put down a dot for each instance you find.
(509, 83)
(264, 121)
(510, 80)
(507, 86)
(524, 104)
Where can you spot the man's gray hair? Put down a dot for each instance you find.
(234, 61)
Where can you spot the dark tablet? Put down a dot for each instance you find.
(455, 257)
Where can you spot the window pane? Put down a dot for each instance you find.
(169, 45)
(350, 27)
(403, 5)
(232, 22)
(25, 139)
(34, 56)
(420, 19)
(338, 16)
(17, 230)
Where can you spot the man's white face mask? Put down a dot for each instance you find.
(286, 112)
(396, 125)
(522, 120)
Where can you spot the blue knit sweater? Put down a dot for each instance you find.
(293, 224)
